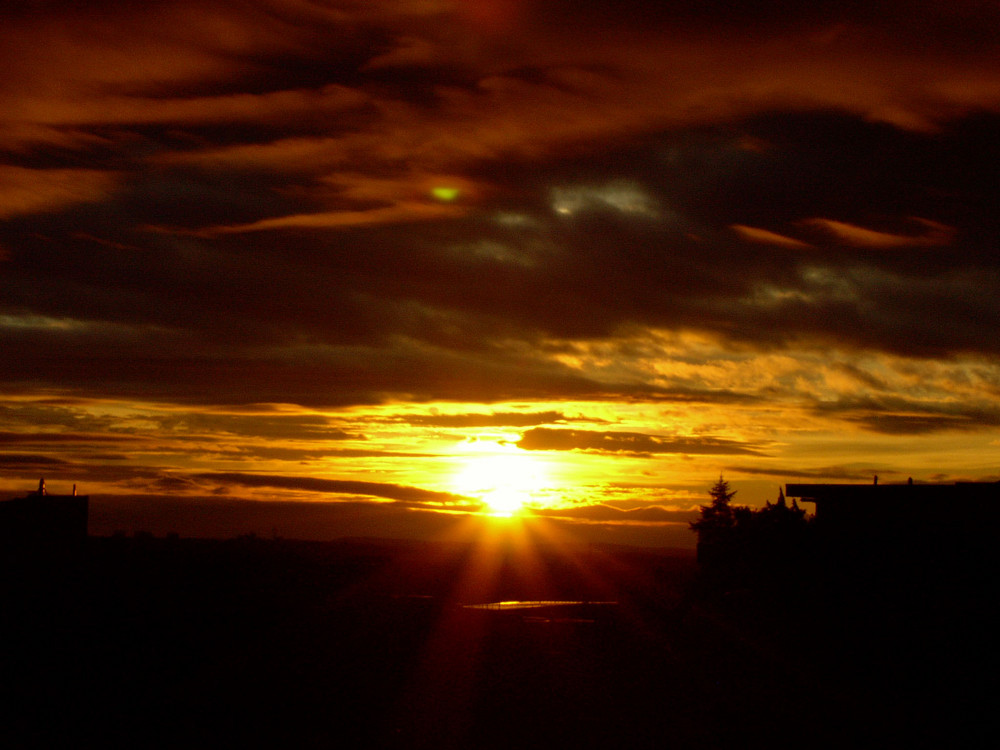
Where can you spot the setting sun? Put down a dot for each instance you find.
(502, 476)
(504, 502)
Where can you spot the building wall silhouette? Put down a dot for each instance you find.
(43, 520)
(942, 527)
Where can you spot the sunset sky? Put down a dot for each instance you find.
(387, 267)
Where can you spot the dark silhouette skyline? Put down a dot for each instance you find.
(168, 641)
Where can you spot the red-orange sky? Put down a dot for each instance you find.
(335, 268)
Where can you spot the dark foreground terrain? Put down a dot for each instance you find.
(147, 642)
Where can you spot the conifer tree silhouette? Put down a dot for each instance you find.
(717, 520)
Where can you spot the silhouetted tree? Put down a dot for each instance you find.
(774, 539)
(719, 514)
(716, 523)
(780, 514)
(743, 546)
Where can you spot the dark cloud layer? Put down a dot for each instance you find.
(495, 419)
(400, 493)
(893, 415)
(33, 438)
(834, 473)
(542, 438)
(29, 461)
(364, 313)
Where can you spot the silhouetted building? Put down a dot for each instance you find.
(845, 505)
(43, 519)
(877, 523)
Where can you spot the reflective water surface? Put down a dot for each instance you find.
(535, 604)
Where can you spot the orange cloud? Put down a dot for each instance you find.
(605, 90)
(27, 191)
(357, 199)
(410, 52)
(851, 234)
(91, 67)
(593, 82)
(278, 105)
(404, 211)
(765, 237)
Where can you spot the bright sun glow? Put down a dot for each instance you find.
(502, 476)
